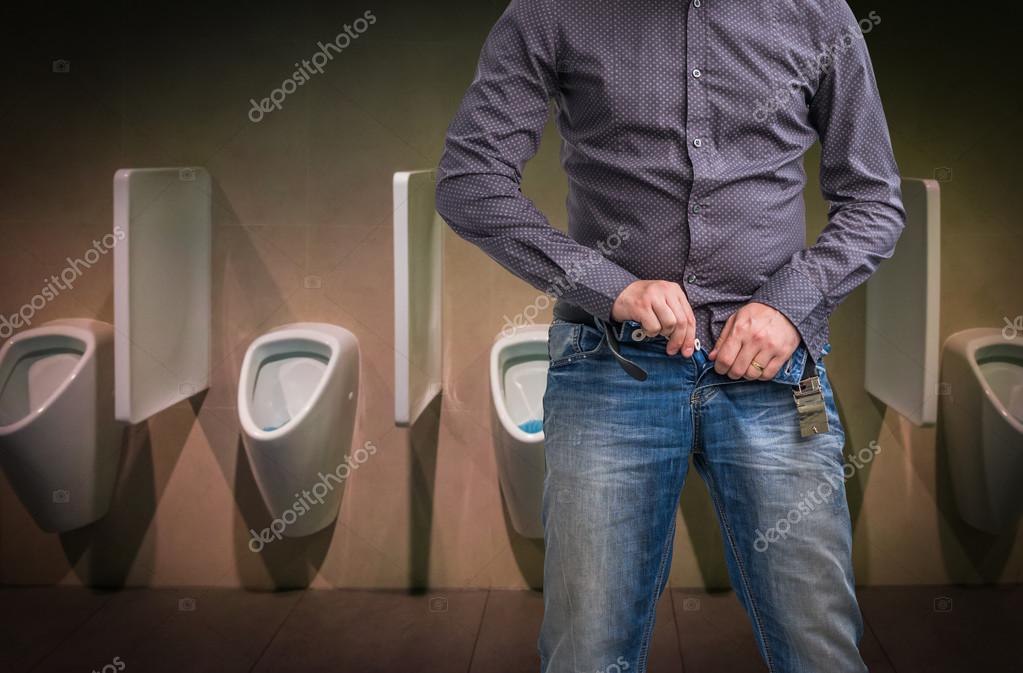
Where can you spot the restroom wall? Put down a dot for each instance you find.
(302, 214)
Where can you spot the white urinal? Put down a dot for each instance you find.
(518, 380)
(982, 414)
(59, 441)
(297, 397)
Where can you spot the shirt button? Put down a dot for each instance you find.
(696, 208)
(697, 73)
(696, 3)
(691, 278)
(697, 142)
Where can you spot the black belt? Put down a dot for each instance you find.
(613, 331)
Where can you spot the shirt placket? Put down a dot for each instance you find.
(700, 146)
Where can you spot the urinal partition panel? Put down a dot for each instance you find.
(418, 256)
(162, 288)
(902, 345)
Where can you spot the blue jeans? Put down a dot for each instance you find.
(617, 453)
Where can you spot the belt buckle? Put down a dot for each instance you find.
(808, 386)
(813, 413)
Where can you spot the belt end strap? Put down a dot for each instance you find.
(630, 367)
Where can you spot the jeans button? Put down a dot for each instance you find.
(638, 334)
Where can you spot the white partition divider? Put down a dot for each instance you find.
(903, 299)
(162, 288)
(418, 266)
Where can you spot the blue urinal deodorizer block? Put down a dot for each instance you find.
(532, 426)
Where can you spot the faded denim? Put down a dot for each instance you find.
(617, 454)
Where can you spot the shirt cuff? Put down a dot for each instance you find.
(596, 290)
(798, 299)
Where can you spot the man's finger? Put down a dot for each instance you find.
(725, 333)
(689, 345)
(665, 316)
(757, 367)
(648, 320)
(727, 353)
(771, 368)
(683, 328)
(743, 361)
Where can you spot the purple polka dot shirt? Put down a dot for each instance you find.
(683, 130)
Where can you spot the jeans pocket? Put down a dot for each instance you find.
(568, 342)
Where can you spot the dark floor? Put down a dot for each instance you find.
(925, 629)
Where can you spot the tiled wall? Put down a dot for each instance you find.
(302, 213)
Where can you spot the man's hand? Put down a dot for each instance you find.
(756, 332)
(661, 307)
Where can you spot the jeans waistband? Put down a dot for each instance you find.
(614, 332)
(617, 332)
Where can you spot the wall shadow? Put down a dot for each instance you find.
(423, 441)
(104, 553)
(984, 555)
(528, 551)
(285, 563)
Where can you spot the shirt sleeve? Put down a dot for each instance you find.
(859, 179)
(497, 129)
